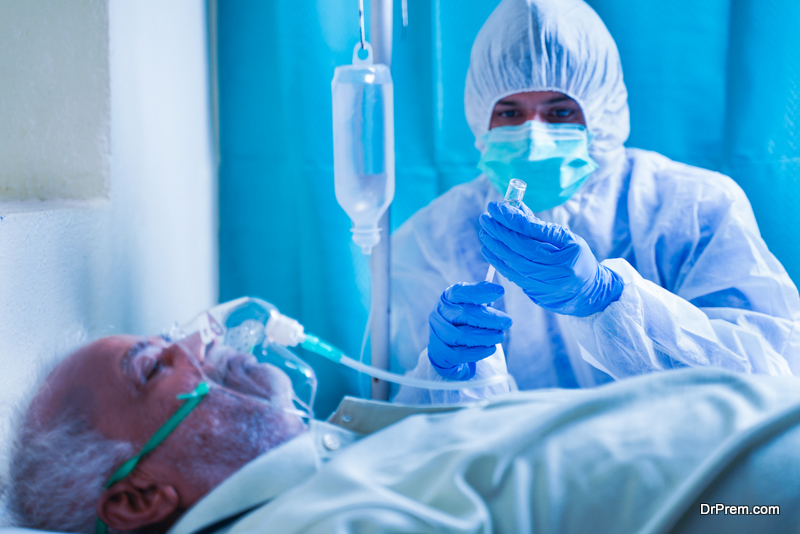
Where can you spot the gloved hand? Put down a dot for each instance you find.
(553, 266)
(463, 330)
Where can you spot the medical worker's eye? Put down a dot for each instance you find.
(563, 113)
(509, 114)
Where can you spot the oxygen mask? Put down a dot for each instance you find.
(231, 343)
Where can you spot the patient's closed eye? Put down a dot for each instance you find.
(151, 368)
(149, 363)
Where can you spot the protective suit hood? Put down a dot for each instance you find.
(549, 45)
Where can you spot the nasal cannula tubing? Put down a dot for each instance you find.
(514, 194)
(289, 333)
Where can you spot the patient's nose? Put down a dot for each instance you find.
(192, 348)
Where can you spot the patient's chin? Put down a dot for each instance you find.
(243, 425)
(231, 430)
(273, 425)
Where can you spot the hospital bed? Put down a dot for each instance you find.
(760, 467)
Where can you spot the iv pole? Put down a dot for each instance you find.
(381, 39)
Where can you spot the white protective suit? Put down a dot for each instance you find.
(701, 287)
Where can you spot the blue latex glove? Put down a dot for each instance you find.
(463, 330)
(553, 266)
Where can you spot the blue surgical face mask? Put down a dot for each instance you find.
(553, 159)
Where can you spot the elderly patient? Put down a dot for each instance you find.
(648, 452)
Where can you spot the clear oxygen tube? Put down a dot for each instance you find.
(287, 332)
(514, 194)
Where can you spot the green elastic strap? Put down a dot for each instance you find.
(192, 400)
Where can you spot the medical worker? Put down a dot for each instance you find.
(623, 262)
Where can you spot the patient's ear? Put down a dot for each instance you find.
(135, 502)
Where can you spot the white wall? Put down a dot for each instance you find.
(54, 99)
(146, 257)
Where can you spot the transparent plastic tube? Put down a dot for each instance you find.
(286, 332)
(315, 345)
(514, 194)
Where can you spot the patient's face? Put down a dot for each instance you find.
(127, 386)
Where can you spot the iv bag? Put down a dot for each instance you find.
(363, 144)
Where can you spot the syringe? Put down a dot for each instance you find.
(514, 194)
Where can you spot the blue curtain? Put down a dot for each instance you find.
(717, 84)
(714, 84)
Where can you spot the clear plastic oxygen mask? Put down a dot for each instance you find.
(237, 327)
(514, 194)
(363, 143)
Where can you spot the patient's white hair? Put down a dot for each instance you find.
(60, 465)
(57, 469)
(57, 474)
